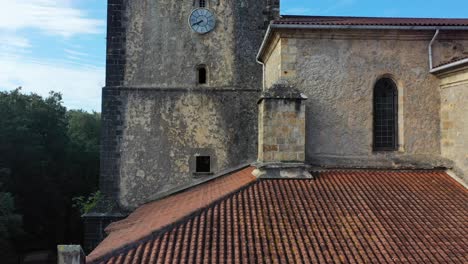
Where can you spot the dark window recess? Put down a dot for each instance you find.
(202, 3)
(385, 115)
(202, 75)
(203, 164)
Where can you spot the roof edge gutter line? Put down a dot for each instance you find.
(293, 26)
(430, 49)
(448, 66)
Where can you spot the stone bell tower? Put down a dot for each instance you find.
(179, 105)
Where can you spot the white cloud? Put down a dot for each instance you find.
(55, 17)
(13, 45)
(76, 53)
(14, 41)
(80, 85)
(72, 75)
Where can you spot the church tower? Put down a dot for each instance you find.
(179, 105)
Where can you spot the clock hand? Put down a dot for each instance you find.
(197, 23)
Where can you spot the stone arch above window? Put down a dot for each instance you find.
(385, 127)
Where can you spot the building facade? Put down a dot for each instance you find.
(158, 115)
(196, 89)
(179, 105)
(340, 64)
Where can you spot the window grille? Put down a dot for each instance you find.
(385, 115)
(202, 3)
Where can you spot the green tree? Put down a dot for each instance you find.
(32, 145)
(10, 228)
(83, 149)
(53, 156)
(10, 223)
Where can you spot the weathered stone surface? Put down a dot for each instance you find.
(165, 130)
(163, 50)
(281, 128)
(282, 89)
(156, 118)
(454, 119)
(337, 71)
(450, 45)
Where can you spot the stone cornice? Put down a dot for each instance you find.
(454, 77)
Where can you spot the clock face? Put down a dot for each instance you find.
(202, 20)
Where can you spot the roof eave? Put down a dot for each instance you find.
(264, 43)
(273, 27)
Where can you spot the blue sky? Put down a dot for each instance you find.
(60, 44)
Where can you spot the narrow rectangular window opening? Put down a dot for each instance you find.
(203, 164)
(201, 75)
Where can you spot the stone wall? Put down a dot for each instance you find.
(115, 50)
(337, 71)
(162, 50)
(164, 130)
(281, 60)
(281, 126)
(454, 119)
(156, 118)
(450, 45)
(273, 64)
(153, 135)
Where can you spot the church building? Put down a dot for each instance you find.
(231, 132)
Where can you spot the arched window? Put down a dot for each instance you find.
(385, 115)
(201, 74)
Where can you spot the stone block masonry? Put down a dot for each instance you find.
(454, 119)
(156, 117)
(337, 70)
(115, 53)
(281, 125)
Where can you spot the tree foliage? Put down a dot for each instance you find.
(52, 155)
(10, 223)
(87, 204)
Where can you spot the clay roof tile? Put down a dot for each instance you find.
(342, 216)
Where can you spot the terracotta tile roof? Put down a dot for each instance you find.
(341, 217)
(154, 216)
(369, 21)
